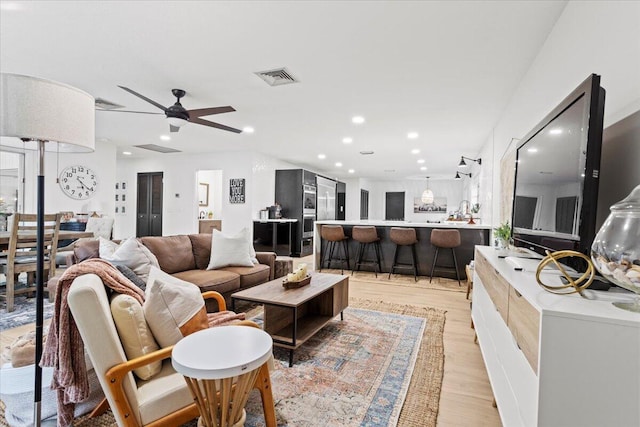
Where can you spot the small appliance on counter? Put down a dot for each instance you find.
(275, 211)
(264, 214)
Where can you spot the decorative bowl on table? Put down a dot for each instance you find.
(616, 248)
(298, 278)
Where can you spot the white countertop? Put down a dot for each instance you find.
(382, 223)
(573, 305)
(276, 220)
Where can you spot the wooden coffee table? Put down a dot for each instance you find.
(292, 316)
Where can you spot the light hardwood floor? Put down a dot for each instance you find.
(466, 398)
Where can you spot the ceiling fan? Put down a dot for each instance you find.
(178, 116)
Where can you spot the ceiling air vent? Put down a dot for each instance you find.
(103, 104)
(366, 153)
(158, 148)
(277, 77)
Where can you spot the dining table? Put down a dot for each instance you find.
(62, 234)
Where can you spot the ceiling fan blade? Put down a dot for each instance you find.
(210, 111)
(150, 101)
(173, 128)
(213, 125)
(129, 111)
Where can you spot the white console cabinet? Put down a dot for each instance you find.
(555, 360)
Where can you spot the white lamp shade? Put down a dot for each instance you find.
(427, 196)
(38, 109)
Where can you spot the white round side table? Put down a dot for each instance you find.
(210, 360)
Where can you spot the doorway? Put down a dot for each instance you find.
(394, 206)
(364, 204)
(149, 204)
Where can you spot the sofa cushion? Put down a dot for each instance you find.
(250, 276)
(131, 253)
(211, 280)
(174, 253)
(173, 308)
(230, 250)
(201, 245)
(135, 335)
(86, 249)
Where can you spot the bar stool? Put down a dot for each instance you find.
(366, 236)
(404, 237)
(333, 234)
(445, 239)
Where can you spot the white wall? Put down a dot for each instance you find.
(214, 179)
(180, 213)
(450, 189)
(589, 37)
(102, 161)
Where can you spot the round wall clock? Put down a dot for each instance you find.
(78, 182)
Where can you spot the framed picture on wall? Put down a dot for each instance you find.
(236, 190)
(203, 194)
(439, 205)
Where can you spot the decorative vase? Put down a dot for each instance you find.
(616, 248)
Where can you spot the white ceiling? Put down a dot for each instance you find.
(443, 69)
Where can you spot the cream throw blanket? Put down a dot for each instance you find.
(64, 349)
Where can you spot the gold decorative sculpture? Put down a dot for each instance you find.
(573, 285)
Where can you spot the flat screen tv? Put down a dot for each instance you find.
(557, 170)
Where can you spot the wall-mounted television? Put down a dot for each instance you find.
(557, 170)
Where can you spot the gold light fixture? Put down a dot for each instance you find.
(463, 164)
(427, 194)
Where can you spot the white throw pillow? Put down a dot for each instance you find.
(230, 251)
(131, 253)
(173, 308)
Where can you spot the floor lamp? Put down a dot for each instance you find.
(43, 115)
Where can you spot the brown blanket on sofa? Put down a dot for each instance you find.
(64, 349)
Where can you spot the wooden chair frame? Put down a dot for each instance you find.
(117, 374)
(22, 245)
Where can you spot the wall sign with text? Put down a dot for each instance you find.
(236, 190)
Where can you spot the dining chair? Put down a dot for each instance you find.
(21, 254)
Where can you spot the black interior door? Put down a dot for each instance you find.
(149, 206)
(394, 206)
(565, 212)
(525, 211)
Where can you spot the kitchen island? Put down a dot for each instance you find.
(470, 236)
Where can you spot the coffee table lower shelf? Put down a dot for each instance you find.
(307, 327)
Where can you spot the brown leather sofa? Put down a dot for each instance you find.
(187, 257)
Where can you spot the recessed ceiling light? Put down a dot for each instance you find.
(165, 137)
(358, 120)
(126, 153)
(420, 161)
(322, 156)
(347, 140)
(415, 151)
(556, 131)
(338, 164)
(423, 168)
(532, 150)
(412, 135)
(248, 129)
(351, 171)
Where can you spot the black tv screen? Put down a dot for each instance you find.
(557, 170)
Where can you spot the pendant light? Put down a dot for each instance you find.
(427, 195)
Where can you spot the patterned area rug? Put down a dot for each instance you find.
(24, 312)
(357, 372)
